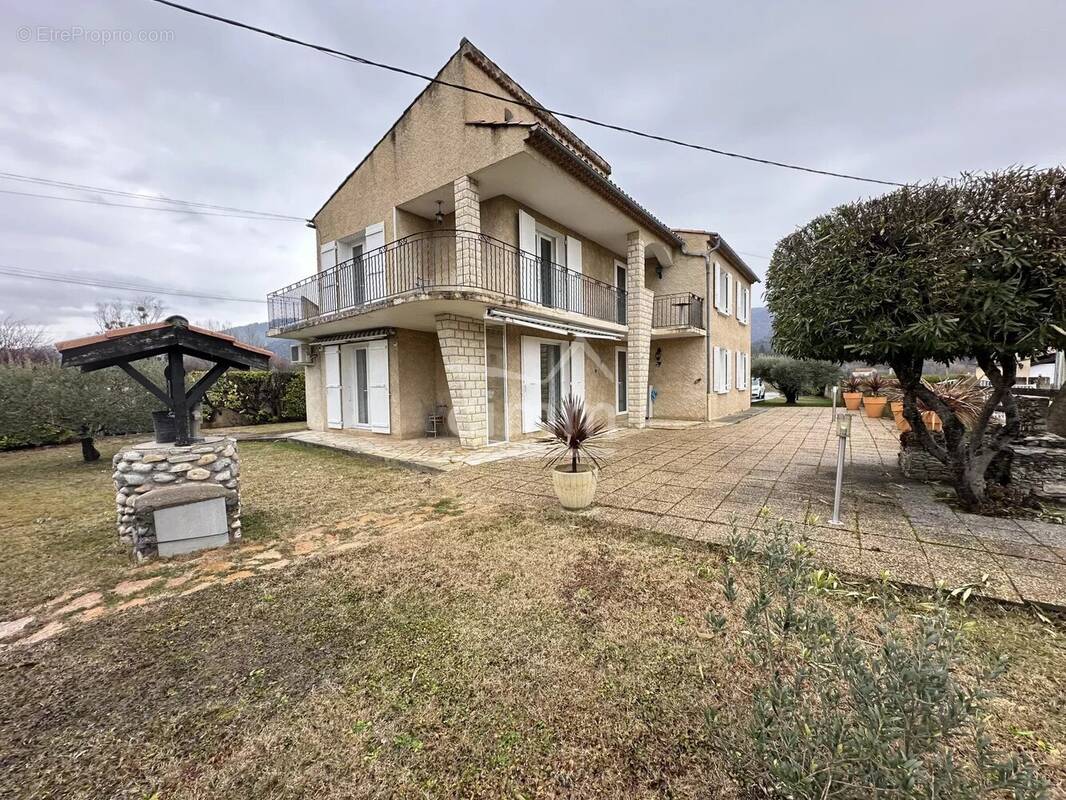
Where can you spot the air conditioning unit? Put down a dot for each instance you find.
(300, 355)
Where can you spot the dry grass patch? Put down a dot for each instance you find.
(57, 513)
(488, 654)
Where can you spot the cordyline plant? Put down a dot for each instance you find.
(838, 711)
(852, 384)
(572, 433)
(971, 268)
(875, 385)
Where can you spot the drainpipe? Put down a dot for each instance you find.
(707, 302)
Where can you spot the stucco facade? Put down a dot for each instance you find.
(480, 261)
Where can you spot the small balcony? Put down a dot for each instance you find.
(442, 264)
(677, 314)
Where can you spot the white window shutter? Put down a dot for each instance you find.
(740, 379)
(740, 302)
(575, 287)
(728, 381)
(327, 256)
(717, 287)
(373, 262)
(717, 361)
(529, 268)
(332, 360)
(728, 293)
(374, 237)
(530, 384)
(377, 379)
(577, 370)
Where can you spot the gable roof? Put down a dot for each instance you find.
(508, 84)
(722, 246)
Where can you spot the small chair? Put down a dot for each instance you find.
(436, 422)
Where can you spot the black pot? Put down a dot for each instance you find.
(165, 429)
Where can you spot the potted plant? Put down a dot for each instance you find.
(573, 460)
(875, 399)
(894, 394)
(852, 394)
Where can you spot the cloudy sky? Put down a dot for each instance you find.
(904, 91)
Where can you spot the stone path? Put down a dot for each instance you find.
(440, 455)
(182, 577)
(697, 482)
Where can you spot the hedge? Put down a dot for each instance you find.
(46, 404)
(259, 396)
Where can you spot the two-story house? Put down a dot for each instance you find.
(479, 264)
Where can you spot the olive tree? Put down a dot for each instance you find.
(969, 268)
(793, 377)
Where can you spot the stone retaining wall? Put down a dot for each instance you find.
(143, 467)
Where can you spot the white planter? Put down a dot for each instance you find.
(575, 490)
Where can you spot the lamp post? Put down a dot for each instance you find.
(843, 426)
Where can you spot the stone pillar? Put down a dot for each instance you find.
(462, 346)
(468, 223)
(638, 317)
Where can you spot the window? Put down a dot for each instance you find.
(743, 302)
(621, 395)
(551, 381)
(362, 405)
(620, 295)
(721, 370)
(723, 287)
(742, 371)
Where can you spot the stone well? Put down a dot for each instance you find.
(145, 473)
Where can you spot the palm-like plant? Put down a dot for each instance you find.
(964, 396)
(571, 431)
(875, 385)
(851, 384)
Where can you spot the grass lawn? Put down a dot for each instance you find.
(804, 400)
(488, 653)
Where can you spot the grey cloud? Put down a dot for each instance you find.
(903, 91)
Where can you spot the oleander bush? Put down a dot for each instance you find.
(258, 396)
(43, 404)
(840, 709)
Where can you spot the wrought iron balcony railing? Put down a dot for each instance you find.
(684, 310)
(443, 261)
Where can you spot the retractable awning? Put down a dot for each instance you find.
(353, 336)
(551, 325)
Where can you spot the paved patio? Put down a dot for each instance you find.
(696, 482)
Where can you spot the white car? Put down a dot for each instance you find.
(758, 390)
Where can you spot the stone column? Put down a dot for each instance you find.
(468, 223)
(638, 317)
(462, 347)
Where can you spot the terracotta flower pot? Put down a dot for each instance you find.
(932, 421)
(875, 406)
(575, 490)
(852, 400)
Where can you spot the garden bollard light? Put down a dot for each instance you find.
(843, 424)
(835, 390)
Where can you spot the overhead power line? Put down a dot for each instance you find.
(533, 106)
(14, 176)
(108, 283)
(91, 201)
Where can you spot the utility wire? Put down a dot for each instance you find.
(134, 205)
(14, 176)
(533, 106)
(106, 283)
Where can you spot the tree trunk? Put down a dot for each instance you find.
(967, 454)
(790, 396)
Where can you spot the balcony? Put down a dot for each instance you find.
(442, 264)
(677, 312)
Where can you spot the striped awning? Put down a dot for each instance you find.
(368, 335)
(551, 325)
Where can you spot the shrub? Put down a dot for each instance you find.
(793, 376)
(842, 712)
(46, 404)
(259, 396)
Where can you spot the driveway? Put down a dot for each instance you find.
(696, 483)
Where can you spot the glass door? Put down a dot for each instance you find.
(551, 381)
(362, 389)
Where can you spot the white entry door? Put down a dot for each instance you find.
(369, 397)
(334, 415)
(551, 370)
